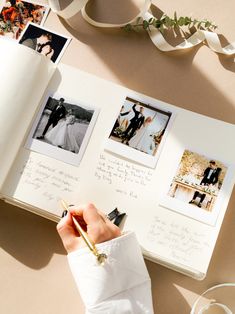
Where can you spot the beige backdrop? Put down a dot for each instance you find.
(34, 276)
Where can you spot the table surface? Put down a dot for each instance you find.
(35, 278)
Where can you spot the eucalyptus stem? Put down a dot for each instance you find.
(166, 23)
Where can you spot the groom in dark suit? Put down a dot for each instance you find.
(135, 123)
(57, 113)
(210, 177)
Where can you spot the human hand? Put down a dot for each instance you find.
(98, 227)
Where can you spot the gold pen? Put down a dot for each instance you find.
(101, 257)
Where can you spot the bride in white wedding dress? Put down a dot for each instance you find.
(143, 140)
(62, 136)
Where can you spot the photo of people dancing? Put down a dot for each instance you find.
(140, 126)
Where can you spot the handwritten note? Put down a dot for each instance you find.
(51, 180)
(110, 169)
(181, 242)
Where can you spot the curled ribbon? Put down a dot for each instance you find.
(200, 36)
(212, 303)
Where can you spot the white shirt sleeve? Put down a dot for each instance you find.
(121, 286)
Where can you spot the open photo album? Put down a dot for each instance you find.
(66, 134)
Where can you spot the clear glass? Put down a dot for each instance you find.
(219, 299)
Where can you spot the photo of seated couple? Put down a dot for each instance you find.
(140, 126)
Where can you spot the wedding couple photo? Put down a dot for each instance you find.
(63, 128)
(46, 42)
(138, 131)
(197, 187)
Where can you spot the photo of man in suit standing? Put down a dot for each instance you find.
(135, 123)
(57, 113)
(210, 177)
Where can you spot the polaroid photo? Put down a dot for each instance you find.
(139, 131)
(199, 186)
(49, 43)
(16, 14)
(62, 128)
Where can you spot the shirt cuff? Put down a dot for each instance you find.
(124, 269)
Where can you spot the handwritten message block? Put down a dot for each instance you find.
(112, 170)
(41, 176)
(181, 242)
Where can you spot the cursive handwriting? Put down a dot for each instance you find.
(181, 242)
(111, 169)
(51, 180)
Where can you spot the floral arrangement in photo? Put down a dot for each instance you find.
(15, 15)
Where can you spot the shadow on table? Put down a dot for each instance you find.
(139, 65)
(29, 238)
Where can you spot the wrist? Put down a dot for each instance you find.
(84, 250)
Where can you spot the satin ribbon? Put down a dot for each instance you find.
(200, 36)
(212, 303)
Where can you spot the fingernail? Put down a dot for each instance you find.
(65, 212)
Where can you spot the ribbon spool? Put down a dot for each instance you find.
(155, 35)
(207, 308)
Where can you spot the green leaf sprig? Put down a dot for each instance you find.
(166, 23)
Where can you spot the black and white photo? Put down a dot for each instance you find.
(138, 131)
(48, 43)
(62, 128)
